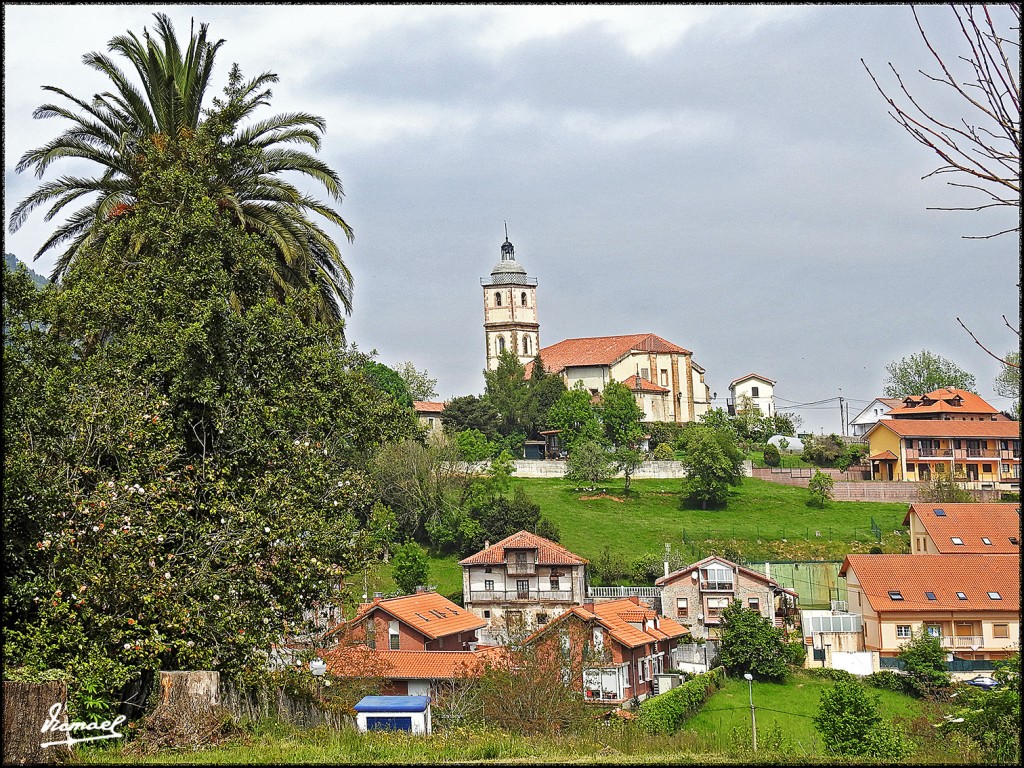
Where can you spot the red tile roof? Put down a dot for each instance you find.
(548, 552)
(602, 350)
(360, 661)
(942, 575)
(424, 406)
(969, 522)
(942, 401)
(884, 456)
(948, 428)
(734, 382)
(427, 612)
(638, 383)
(617, 618)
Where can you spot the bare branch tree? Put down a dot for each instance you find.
(983, 145)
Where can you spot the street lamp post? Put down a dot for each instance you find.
(753, 720)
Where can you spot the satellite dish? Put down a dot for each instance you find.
(700, 617)
(693, 575)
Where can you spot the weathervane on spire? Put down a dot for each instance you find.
(508, 253)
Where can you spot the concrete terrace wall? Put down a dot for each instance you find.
(661, 470)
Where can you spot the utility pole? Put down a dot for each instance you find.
(842, 418)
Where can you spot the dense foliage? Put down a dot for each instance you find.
(410, 567)
(850, 725)
(713, 464)
(925, 662)
(751, 643)
(992, 718)
(924, 372)
(183, 450)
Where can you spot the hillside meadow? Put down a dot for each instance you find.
(763, 521)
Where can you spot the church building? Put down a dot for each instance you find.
(667, 383)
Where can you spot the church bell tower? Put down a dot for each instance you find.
(510, 310)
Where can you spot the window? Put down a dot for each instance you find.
(902, 630)
(755, 392)
(940, 513)
(1014, 541)
(957, 540)
(1001, 630)
(930, 595)
(716, 605)
(645, 373)
(910, 468)
(986, 467)
(682, 607)
(986, 541)
(961, 596)
(488, 585)
(488, 569)
(554, 583)
(754, 604)
(522, 589)
(933, 630)
(393, 637)
(895, 595)
(501, 345)
(497, 299)
(664, 377)
(994, 596)
(522, 298)
(542, 618)
(487, 614)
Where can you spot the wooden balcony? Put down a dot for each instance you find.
(515, 595)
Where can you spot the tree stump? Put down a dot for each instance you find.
(198, 689)
(26, 708)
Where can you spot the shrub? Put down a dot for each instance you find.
(646, 568)
(589, 462)
(751, 643)
(666, 713)
(772, 457)
(846, 715)
(796, 653)
(925, 662)
(410, 567)
(831, 674)
(663, 452)
(888, 680)
(821, 486)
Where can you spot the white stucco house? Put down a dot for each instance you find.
(760, 389)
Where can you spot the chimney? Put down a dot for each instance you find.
(487, 543)
(667, 548)
(378, 595)
(420, 589)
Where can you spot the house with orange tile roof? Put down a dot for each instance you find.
(666, 382)
(408, 673)
(696, 595)
(429, 415)
(966, 529)
(985, 453)
(970, 602)
(760, 389)
(520, 583)
(946, 403)
(425, 621)
(612, 650)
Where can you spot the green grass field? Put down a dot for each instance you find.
(763, 521)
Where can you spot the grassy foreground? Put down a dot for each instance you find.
(719, 734)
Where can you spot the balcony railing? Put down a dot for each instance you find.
(988, 453)
(964, 641)
(503, 596)
(717, 586)
(520, 569)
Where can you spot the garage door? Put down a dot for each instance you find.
(389, 723)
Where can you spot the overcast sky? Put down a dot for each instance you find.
(725, 177)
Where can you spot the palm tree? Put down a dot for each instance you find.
(113, 129)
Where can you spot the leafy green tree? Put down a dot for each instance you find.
(506, 516)
(850, 725)
(713, 464)
(575, 416)
(410, 567)
(589, 462)
(473, 446)
(420, 385)
(772, 457)
(823, 450)
(925, 663)
(751, 643)
(924, 372)
(620, 416)
(507, 391)
(548, 530)
(471, 412)
(820, 486)
(545, 389)
(184, 453)
(717, 418)
(944, 488)
(388, 380)
(1007, 383)
(115, 131)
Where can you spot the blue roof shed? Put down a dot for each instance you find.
(393, 704)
